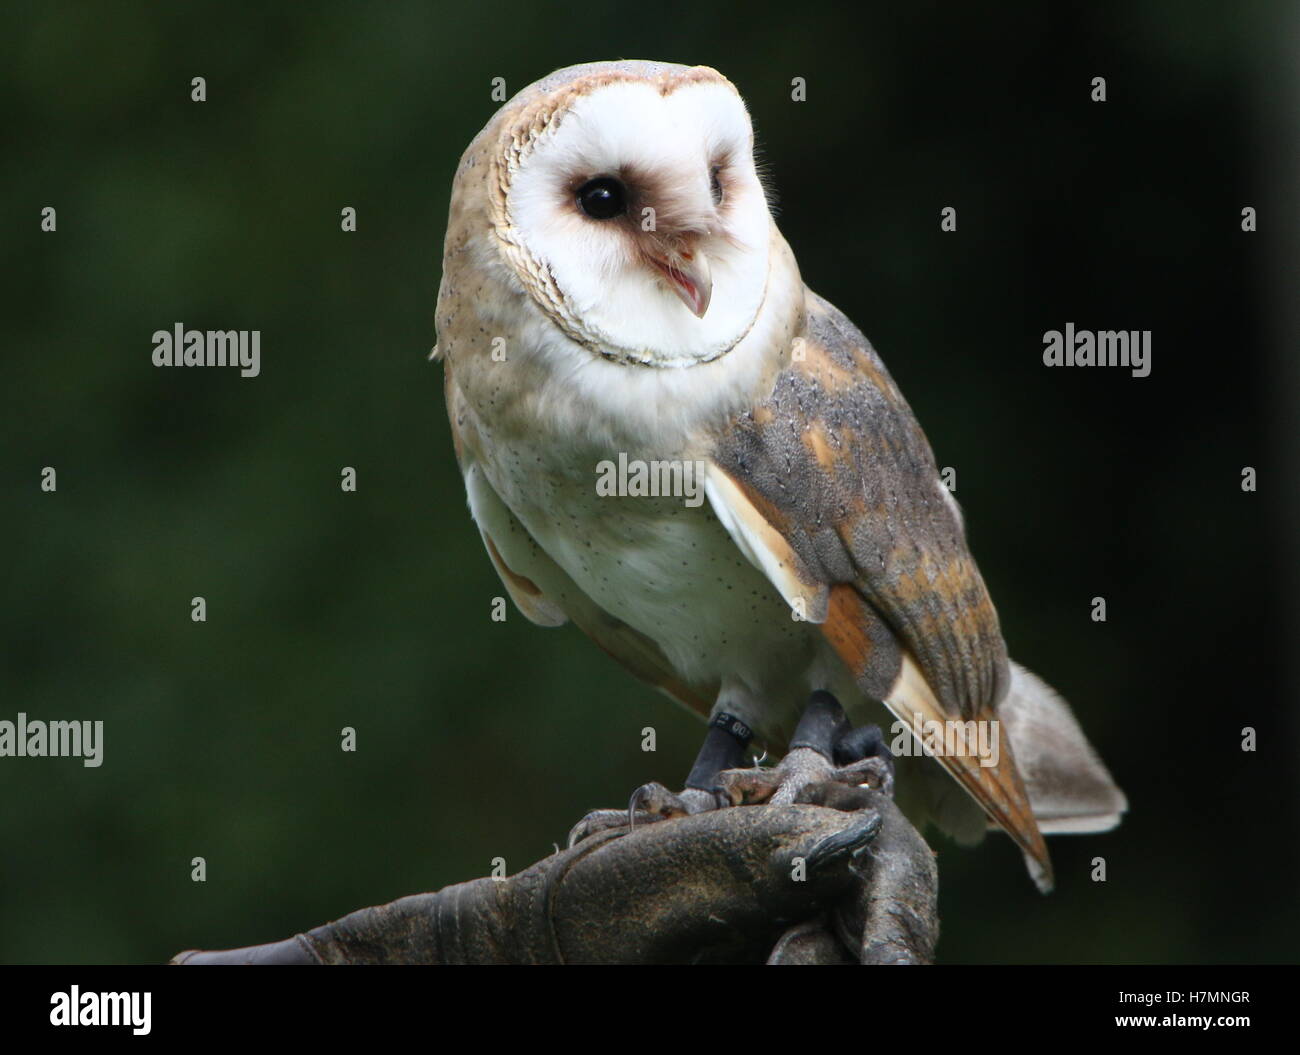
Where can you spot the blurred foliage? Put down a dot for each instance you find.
(370, 610)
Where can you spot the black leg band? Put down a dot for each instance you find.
(724, 748)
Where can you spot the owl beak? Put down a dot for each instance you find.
(688, 275)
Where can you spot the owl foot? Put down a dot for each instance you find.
(824, 749)
(863, 748)
(724, 746)
(649, 803)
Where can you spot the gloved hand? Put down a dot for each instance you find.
(840, 877)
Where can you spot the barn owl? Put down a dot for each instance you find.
(615, 292)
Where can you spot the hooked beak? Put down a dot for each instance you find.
(687, 273)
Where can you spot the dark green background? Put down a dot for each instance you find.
(477, 739)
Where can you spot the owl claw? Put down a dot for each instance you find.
(596, 821)
(863, 757)
(785, 783)
(656, 800)
(825, 749)
(649, 803)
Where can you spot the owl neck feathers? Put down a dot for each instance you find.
(553, 390)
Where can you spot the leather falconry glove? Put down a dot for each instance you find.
(839, 877)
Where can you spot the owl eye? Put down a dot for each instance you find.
(603, 198)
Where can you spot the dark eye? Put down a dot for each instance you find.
(715, 184)
(603, 198)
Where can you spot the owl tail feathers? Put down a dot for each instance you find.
(991, 778)
(1070, 790)
(1067, 788)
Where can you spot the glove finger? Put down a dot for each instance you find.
(811, 943)
(891, 915)
(721, 885)
(290, 951)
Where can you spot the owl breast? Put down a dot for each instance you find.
(663, 563)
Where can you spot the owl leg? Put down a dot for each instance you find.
(824, 748)
(724, 747)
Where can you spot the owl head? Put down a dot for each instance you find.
(623, 198)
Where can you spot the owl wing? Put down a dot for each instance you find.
(546, 595)
(831, 488)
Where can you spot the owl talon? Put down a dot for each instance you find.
(824, 748)
(863, 752)
(657, 801)
(597, 821)
(649, 803)
(801, 768)
(778, 785)
(877, 773)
